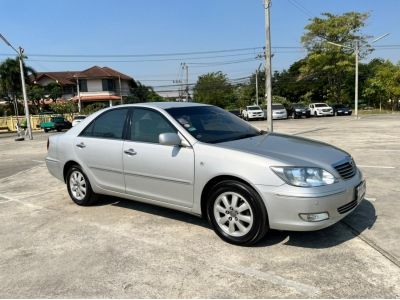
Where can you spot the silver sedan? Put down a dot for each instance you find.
(202, 160)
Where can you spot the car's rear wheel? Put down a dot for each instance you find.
(237, 213)
(79, 188)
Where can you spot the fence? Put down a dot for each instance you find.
(10, 123)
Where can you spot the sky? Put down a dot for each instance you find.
(123, 29)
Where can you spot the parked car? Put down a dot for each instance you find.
(320, 109)
(236, 112)
(298, 110)
(56, 123)
(278, 111)
(252, 112)
(202, 160)
(341, 110)
(77, 120)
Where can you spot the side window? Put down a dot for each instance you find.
(147, 125)
(109, 125)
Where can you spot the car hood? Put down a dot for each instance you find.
(289, 150)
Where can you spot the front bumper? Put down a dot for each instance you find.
(324, 113)
(285, 204)
(256, 116)
(279, 116)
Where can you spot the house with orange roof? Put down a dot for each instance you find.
(96, 84)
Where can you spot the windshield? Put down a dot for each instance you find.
(277, 106)
(253, 108)
(340, 106)
(79, 117)
(321, 105)
(210, 124)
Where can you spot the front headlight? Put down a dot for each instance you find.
(304, 176)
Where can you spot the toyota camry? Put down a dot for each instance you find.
(205, 161)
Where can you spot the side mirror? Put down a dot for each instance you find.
(169, 139)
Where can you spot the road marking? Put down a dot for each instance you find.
(271, 277)
(18, 173)
(312, 130)
(39, 161)
(379, 150)
(370, 199)
(376, 167)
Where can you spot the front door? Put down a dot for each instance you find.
(153, 171)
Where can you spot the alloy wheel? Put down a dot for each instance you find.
(77, 183)
(233, 214)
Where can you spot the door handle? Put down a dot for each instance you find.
(81, 145)
(130, 152)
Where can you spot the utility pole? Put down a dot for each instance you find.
(79, 95)
(258, 69)
(186, 67)
(120, 89)
(20, 52)
(28, 119)
(356, 53)
(257, 86)
(268, 70)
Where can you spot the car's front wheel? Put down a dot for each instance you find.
(79, 188)
(237, 213)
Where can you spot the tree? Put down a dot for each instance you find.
(67, 107)
(384, 84)
(332, 64)
(214, 88)
(53, 91)
(35, 94)
(142, 93)
(10, 77)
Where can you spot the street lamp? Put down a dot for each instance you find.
(20, 52)
(357, 53)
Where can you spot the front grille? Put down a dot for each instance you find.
(346, 170)
(347, 207)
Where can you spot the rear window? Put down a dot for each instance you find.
(277, 106)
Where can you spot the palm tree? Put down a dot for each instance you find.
(10, 80)
(10, 77)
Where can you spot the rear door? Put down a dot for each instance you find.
(99, 149)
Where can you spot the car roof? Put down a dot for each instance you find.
(166, 105)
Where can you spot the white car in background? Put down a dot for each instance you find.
(320, 109)
(278, 111)
(253, 112)
(77, 120)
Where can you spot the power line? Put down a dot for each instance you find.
(301, 8)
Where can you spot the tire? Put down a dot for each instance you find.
(58, 129)
(46, 130)
(79, 188)
(315, 114)
(244, 227)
